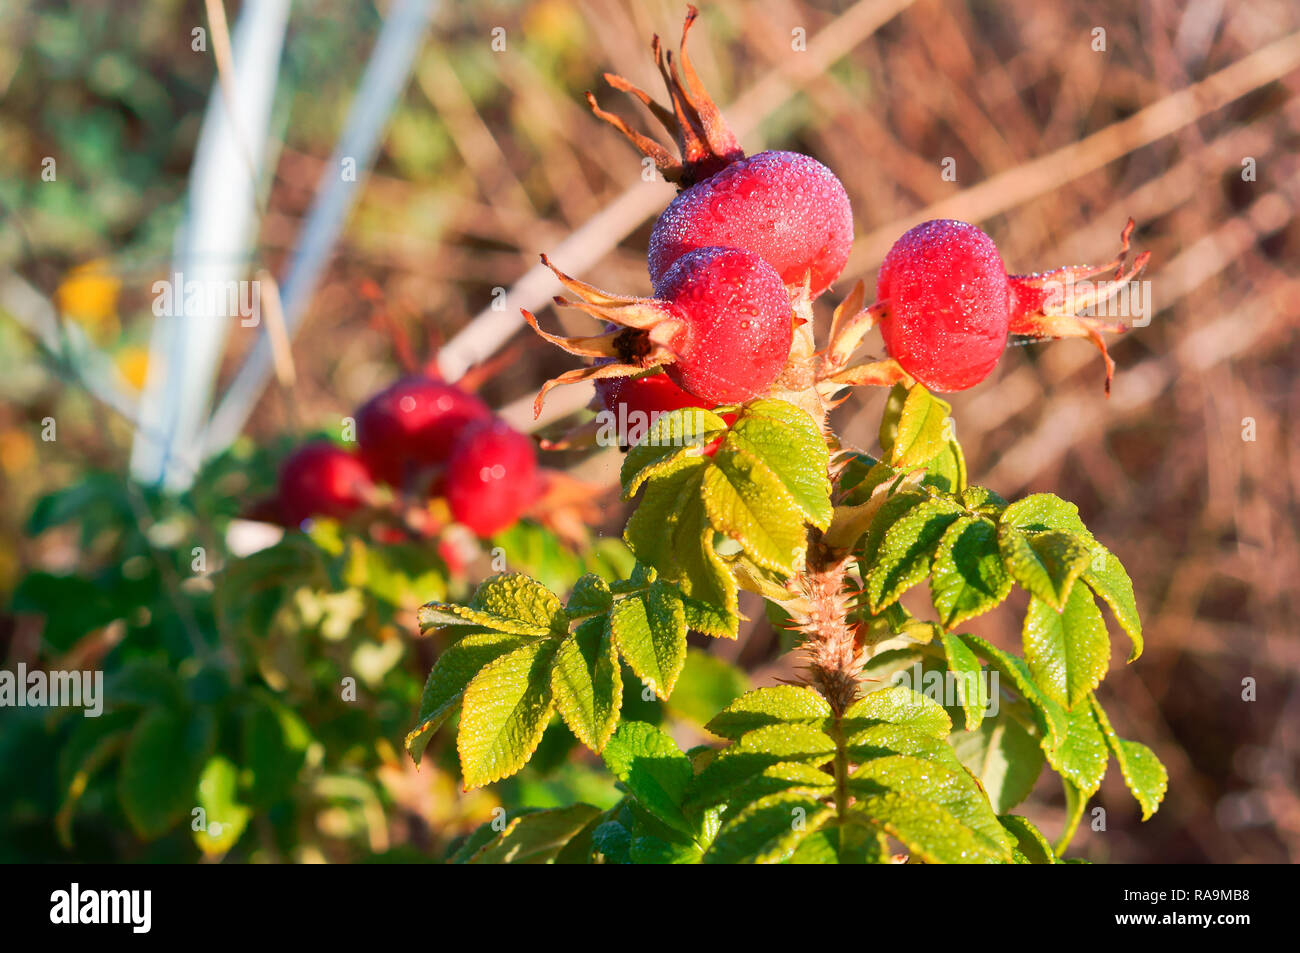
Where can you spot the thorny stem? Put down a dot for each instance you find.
(834, 664)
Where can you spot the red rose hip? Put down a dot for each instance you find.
(320, 479)
(491, 477)
(944, 293)
(412, 425)
(785, 207)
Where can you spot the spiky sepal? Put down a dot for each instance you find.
(703, 138)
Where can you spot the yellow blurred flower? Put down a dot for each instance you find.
(133, 364)
(88, 295)
(16, 450)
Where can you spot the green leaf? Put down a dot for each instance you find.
(1145, 776)
(504, 713)
(649, 628)
(1068, 651)
(612, 842)
(509, 602)
(792, 446)
(653, 769)
(1050, 716)
(1081, 756)
(1044, 511)
(747, 502)
(781, 704)
(972, 691)
(161, 766)
(590, 596)
(968, 576)
(756, 751)
(1005, 758)
(671, 532)
(891, 511)
(821, 846)
(452, 673)
(536, 837)
(673, 439)
(784, 776)
(1107, 578)
(921, 432)
(274, 743)
(1029, 839)
(586, 683)
(225, 817)
(1044, 563)
(929, 831)
(898, 705)
(945, 783)
(769, 830)
(903, 558)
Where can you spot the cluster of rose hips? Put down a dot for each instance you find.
(738, 256)
(423, 438)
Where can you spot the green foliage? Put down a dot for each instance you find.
(802, 776)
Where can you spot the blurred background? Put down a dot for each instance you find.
(1049, 125)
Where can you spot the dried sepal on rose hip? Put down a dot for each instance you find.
(786, 207)
(704, 140)
(946, 308)
(721, 325)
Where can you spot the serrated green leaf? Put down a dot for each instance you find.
(451, 674)
(586, 683)
(898, 705)
(929, 832)
(670, 531)
(504, 713)
(982, 500)
(674, 438)
(922, 429)
(590, 596)
(649, 628)
(613, 842)
(1145, 776)
(818, 847)
(746, 502)
(1029, 840)
(968, 576)
(1050, 716)
(903, 558)
(756, 751)
(536, 837)
(1044, 511)
(1046, 564)
(1068, 652)
(945, 783)
(779, 704)
(785, 776)
(769, 830)
(1005, 758)
(653, 769)
(1081, 756)
(161, 766)
(791, 445)
(509, 602)
(891, 511)
(1108, 579)
(972, 690)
